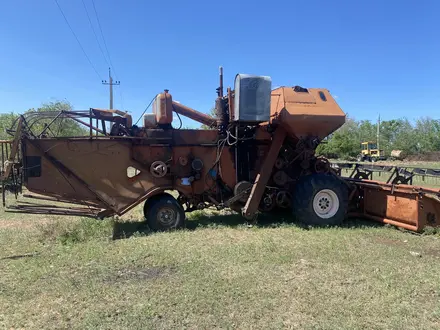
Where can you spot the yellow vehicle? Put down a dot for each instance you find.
(370, 152)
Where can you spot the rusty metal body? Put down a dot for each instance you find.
(249, 167)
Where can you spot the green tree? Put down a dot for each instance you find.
(398, 134)
(212, 114)
(60, 127)
(343, 143)
(427, 132)
(367, 131)
(6, 121)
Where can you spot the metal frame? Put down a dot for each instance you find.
(396, 174)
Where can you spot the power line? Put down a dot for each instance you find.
(79, 43)
(146, 109)
(94, 33)
(103, 39)
(106, 48)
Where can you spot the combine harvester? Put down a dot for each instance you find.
(259, 157)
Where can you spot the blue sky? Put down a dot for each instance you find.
(375, 56)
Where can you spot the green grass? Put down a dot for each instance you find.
(62, 272)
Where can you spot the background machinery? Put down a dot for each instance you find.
(258, 157)
(370, 152)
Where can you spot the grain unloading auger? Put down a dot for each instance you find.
(258, 156)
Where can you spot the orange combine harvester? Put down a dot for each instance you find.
(258, 157)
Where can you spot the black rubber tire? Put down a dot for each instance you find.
(305, 191)
(150, 201)
(164, 205)
(400, 180)
(361, 176)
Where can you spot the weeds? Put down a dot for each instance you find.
(75, 232)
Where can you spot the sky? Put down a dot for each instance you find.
(375, 57)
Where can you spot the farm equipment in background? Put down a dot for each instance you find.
(370, 152)
(392, 173)
(397, 155)
(259, 157)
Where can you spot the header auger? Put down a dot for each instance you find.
(258, 156)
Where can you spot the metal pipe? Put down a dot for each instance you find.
(194, 114)
(231, 105)
(90, 126)
(91, 123)
(220, 92)
(103, 127)
(55, 199)
(51, 122)
(383, 220)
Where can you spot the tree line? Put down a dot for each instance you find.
(421, 136)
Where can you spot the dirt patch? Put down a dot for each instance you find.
(425, 157)
(432, 252)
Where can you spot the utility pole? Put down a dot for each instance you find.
(378, 132)
(110, 83)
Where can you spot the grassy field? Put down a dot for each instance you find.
(61, 272)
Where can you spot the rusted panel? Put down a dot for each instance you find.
(305, 114)
(102, 165)
(264, 174)
(195, 137)
(227, 169)
(405, 206)
(398, 206)
(429, 211)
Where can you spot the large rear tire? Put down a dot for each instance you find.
(320, 200)
(164, 213)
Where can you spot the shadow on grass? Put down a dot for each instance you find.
(128, 229)
(206, 220)
(20, 256)
(199, 220)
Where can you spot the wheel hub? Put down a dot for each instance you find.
(166, 216)
(326, 203)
